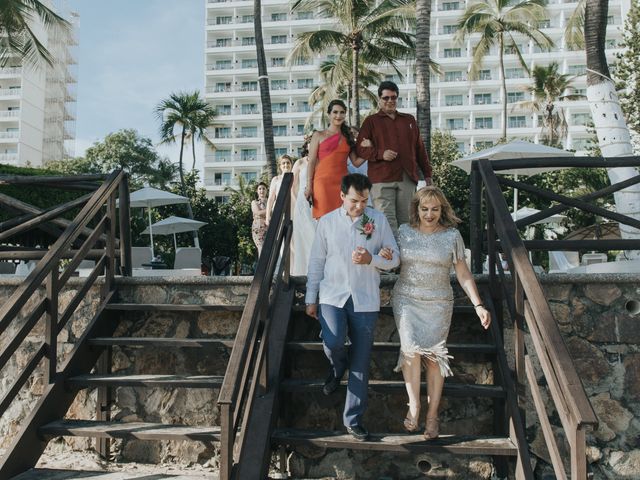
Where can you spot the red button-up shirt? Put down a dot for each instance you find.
(399, 134)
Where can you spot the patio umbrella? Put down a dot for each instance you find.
(527, 212)
(598, 231)
(149, 197)
(516, 149)
(173, 225)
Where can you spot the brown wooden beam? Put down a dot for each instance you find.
(38, 179)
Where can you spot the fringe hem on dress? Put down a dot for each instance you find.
(438, 354)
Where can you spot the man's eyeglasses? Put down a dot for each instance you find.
(390, 98)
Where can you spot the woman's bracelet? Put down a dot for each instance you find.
(479, 305)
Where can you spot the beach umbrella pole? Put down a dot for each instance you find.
(175, 243)
(153, 255)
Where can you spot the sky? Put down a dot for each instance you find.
(131, 55)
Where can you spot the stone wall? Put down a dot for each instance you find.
(601, 335)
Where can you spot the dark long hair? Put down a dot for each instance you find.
(344, 128)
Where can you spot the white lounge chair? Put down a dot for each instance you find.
(140, 255)
(560, 262)
(188, 257)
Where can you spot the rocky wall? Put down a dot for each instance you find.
(600, 333)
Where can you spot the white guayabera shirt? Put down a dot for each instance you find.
(331, 271)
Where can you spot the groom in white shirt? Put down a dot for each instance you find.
(344, 271)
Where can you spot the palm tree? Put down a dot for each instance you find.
(366, 28)
(16, 35)
(497, 21)
(548, 88)
(185, 112)
(336, 76)
(198, 131)
(265, 97)
(613, 134)
(423, 55)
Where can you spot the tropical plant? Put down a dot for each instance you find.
(368, 29)
(497, 21)
(336, 76)
(574, 27)
(423, 77)
(17, 37)
(265, 97)
(613, 134)
(627, 71)
(128, 150)
(548, 88)
(187, 113)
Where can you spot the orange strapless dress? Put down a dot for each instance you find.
(330, 168)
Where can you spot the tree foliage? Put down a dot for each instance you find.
(628, 68)
(17, 36)
(135, 154)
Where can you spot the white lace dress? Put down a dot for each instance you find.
(422, 297)
(304, 229)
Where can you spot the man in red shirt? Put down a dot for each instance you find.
(394, 154)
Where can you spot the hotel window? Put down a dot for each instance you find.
(484, 75)
(280, 151)
(278, 39)
(305, 83)
(249, 176)
(223, 64)
(222, 155)
(277, 62)
(278, 17)
(223, 87)
(249, 109)
(452, 52)
(249, 86)
(577, 69)
(279, 130)
(580, 118)
(303, 107)
(446, 6)
(248, 132)
(513, 97)
(481, 145)
(452, 100)
(448, 29)
(517, 72)
(248, 154)
(517, 122)
(305, 15)
(222, 178)
(484, 123)
(300, 130)
(249, 63)
(455, 123)
(246, 19)
(223, 42)
(482, 99)
(278, 84)
(279, 107)
(453, 76)
(513, 49)
(223, 132)
(224, 20)
(460, 147)
(224, 109)
(247, 41)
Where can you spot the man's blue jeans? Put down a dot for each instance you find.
(336, 323)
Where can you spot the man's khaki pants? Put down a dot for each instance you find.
(393, 199)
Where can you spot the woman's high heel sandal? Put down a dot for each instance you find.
(411, 424)
(432, 430)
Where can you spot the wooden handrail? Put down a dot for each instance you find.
(568, 162)
(530, 305)
(247, 369)
(51, 179)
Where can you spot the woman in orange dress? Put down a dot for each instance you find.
(328, 153)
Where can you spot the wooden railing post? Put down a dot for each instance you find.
(51, 326)
(578, 444)
(226, 441)
(475, 220)
(110, 264)
(125, 228)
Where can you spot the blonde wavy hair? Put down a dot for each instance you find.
(448, 217)
(284, 157)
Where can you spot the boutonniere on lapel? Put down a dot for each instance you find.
(367, 226)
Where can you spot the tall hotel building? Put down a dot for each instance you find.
(37, 104)
(470, 110)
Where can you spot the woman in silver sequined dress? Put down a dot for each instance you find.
(423, 300)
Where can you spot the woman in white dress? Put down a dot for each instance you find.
(423, 300)
(304, 225)
(285, 164)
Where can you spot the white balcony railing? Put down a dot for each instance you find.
(8, 157)
(9, 134)
(10, 92)
(9, 113)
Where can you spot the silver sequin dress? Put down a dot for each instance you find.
(422, 297)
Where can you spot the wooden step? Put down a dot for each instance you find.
(145, 474)
(454, 348)
(388, 310)
(161, 342)
(151, 381)
(392, 386)
(137, 430)
(170, 307)
(400, 443)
